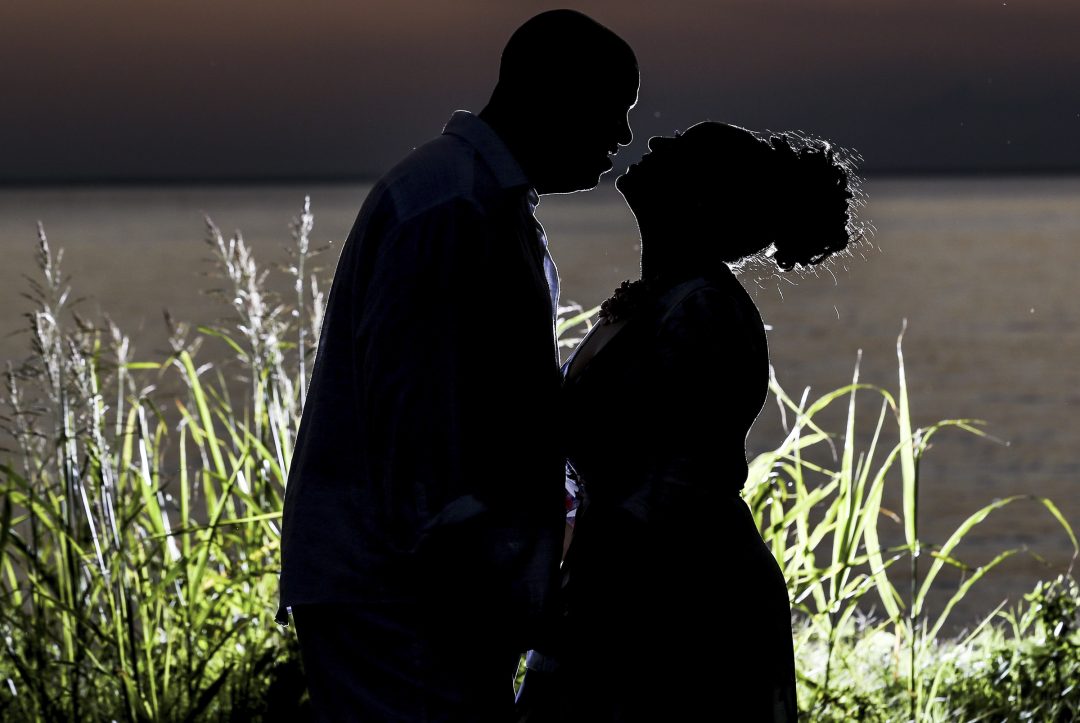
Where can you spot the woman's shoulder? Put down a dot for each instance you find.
(712, 297)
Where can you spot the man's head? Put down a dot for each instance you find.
(566, 85)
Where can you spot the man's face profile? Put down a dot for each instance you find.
(588, 125)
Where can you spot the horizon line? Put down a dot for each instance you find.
(346, 179)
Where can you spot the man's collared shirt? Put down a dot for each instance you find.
(509, 174)
(427, 440)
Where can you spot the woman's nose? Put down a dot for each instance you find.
(659, 142)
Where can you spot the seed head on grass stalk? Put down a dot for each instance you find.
(308, 310)
(129, 605)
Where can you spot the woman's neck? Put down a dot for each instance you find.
(675, 255)
(664, 270)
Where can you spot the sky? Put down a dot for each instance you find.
(327, 89)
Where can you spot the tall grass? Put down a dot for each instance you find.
(141, 502)
(138, 550)
(824, 526)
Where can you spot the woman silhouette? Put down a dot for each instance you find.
(675, 608)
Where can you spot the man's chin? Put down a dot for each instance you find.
(603, 170)
(586, 183)
(597, 172)
(584, 180)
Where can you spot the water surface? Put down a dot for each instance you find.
(983, 270)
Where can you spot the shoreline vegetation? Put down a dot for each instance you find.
(139, 528)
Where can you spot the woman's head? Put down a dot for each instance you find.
(718, 193)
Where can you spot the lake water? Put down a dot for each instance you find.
(983, 270)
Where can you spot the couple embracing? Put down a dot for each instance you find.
(426, 509)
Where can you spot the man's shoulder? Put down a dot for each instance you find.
(445, 172)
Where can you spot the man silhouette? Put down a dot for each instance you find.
(423, 516)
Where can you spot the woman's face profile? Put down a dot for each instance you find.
(676, 169)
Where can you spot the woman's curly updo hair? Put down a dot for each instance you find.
(816, 192)
(785, 196)
(718, 195)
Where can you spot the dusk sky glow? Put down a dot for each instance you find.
(252, 89)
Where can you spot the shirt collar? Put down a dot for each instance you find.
(474, 131)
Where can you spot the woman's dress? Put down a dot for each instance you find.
(675, 608)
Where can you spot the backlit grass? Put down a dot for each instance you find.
(139, 529)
